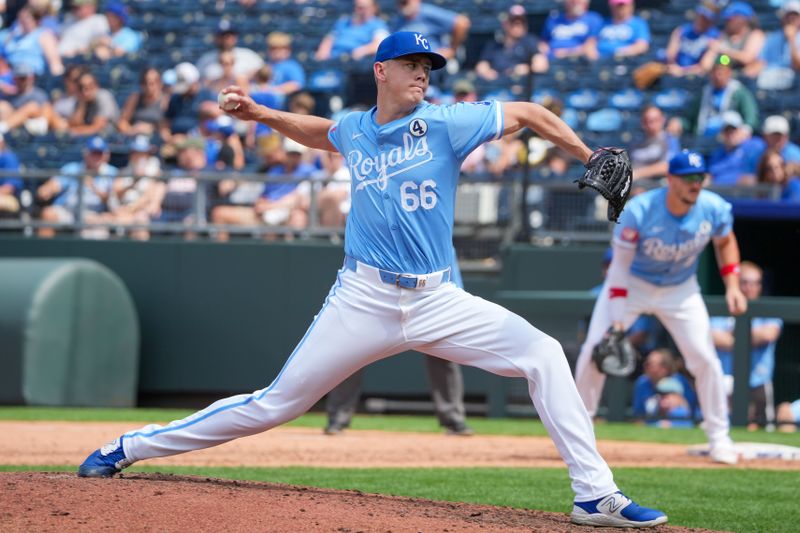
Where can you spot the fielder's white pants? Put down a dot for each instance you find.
(364, 320)
(682, 311)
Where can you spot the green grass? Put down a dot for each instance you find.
(425, 424)
(721, 499)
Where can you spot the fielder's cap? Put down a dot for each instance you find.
(225, 26)
(790, 6)
(140, 143)
(737, 9)
(463, 87)
(278, 39)
(186, 75)
(22, 70)
(687, 162)
(776, 124)
(669, 385)
(96, 144)
(404, 43)
(292, 146)
(731, 119)
(192, 142)
(119, 9)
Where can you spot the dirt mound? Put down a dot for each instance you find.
(44, 501)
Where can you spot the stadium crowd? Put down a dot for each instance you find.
(121, 106)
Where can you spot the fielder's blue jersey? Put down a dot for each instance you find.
(404, 178)
(668, 247)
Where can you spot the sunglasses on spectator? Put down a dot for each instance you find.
(693, 178)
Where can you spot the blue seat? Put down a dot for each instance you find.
(671, 99)
(584, 99)
(604, 120)
(629, 99)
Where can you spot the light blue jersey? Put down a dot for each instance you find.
(762, 358)
(668, 247)
(405, 175)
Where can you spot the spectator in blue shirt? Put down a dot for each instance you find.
(87, 182)
(662, 396)
(189, 103)
(357, 35)
(121, 39)
(782, 47)
(287, 74)
(573, 32)
(10, 186)
(287, 203)
(445, 29)
(764, 336)
(728, 163)
(516, 53)
(624, 34)
(688, 50)
(776, 137)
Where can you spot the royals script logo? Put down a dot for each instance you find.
(686, 251)
(378, 169)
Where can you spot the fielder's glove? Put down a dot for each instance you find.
(614, 355)
(609, 172)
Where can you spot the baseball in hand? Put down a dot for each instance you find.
(226, 103)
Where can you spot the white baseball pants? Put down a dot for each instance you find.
(364, 320)
(682, 311)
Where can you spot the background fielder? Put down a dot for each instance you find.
(394, 291)
(657, 245)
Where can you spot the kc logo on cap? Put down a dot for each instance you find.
(405, 43)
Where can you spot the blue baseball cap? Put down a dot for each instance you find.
(741, 9)
(141, 143)
(706, 12)
(120, 10)
(96, 144)
(687, 162)
(404, 43)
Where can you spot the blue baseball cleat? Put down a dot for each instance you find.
(616, 510)
(106, 461)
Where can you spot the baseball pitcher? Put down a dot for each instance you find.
(394, 291)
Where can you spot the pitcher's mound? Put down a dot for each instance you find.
(46, 501)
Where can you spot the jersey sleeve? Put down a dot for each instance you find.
(471, 124)
(641, 30)
(626, 233)
(334, 135)
(723, 219)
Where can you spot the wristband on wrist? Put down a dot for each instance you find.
(730, 268)
(616, 292)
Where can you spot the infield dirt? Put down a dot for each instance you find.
(49, 501)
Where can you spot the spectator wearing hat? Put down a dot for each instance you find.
(781, 53)
(741, 39)
(179, 200)
(288, 75)
(96, 111)
(28, 42)
(516, 52)
(245, 60)
(30, 107)
(286, 202)
(82, 26)
(662, 396)
(136, 193)
(445, 30)
(689, 47)
(624, 34)
(727, 163)
(720, 94)
(189, 103)
(87, 182)
(120, 39)
(144, 109)
(775, 133)
(355, 36)
(651, 152)
(10, 185)
(571, 33)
